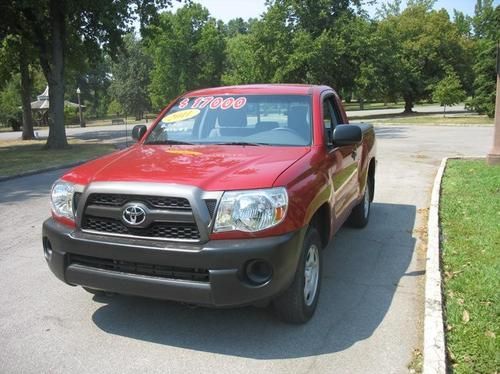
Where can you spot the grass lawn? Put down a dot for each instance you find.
(23, 156)
(470, 224)
(437, 119)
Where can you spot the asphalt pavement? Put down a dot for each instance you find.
(369, 318)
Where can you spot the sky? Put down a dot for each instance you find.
(229, 9)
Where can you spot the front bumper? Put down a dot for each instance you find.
(225, 261)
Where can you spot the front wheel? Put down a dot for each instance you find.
(361, 212)
(298, 303)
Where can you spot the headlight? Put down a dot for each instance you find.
(252, 210)
(62, 199)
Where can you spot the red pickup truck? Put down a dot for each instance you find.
(227, 199)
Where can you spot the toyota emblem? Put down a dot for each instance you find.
(134, 215)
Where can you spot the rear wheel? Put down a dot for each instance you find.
(298, 303)
(361, 213)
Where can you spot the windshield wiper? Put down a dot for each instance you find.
(240, 143)
(169, 141)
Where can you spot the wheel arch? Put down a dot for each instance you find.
(321, 220)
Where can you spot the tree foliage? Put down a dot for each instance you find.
(131, 78)
(58, 29)
(188, 52)
(487, 32)
(18, 56)
(448, 91)
(425, 45)
(10, 97)
(241, 66)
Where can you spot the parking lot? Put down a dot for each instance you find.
(369, 317)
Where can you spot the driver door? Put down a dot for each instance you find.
(342, 161)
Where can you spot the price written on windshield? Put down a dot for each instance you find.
(214, 102)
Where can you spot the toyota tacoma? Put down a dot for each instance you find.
(227, 199)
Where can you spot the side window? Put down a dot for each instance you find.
(336, 114)
(329, 120)
(327, 115)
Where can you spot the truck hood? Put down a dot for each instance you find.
(210, 167)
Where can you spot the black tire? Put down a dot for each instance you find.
(360, 214)
(293, 306)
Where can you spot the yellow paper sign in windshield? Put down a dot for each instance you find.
(180, 116)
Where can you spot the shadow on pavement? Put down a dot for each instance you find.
(102, 135)
(362, 271)
(120, 138)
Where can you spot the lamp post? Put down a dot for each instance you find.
(82, 124)
(493, 157)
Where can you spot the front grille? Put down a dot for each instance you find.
(161, 271)
(164, 230)
(173, 218)
(159, 202)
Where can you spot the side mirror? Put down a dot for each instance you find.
(138, 132)
(347, 135)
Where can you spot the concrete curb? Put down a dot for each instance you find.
(434, 342)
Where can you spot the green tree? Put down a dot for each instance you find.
(10, 97)
(129, 86)
(486, 23)
(94, 80)
(17, 56)
(307, 42)
(238, 26)
(448, 91)
(58, 27)
(463, 23)
(316, 16)
(241, 65)
(114, 108)
(271, 43)
(187, 49)
(425, 44)
(389, 9)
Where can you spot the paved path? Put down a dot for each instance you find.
(369, 318)
(108, 132)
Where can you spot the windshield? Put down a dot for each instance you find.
(236, 120)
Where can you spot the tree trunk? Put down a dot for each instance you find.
(26, 85)
(361, 104)
(444, 110)
(408, 104)
(57, 132)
